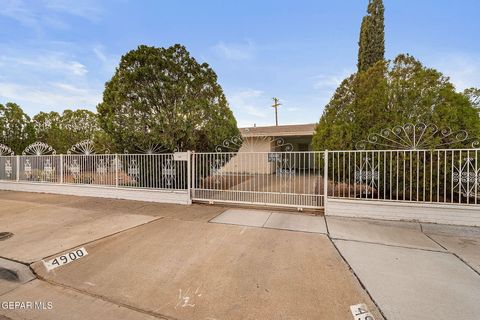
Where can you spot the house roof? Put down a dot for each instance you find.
(279, 131)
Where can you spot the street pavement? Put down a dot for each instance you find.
(147, 261)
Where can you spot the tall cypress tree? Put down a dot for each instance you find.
(372, 36)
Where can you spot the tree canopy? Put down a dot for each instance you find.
(390, 94)
(473, 95)
(372, 36)
(62, 131)
(16, 129)
(163, 96)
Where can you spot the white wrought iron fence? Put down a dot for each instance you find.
(8, 168)
(293, 179)
(41, 169)
(94, 169)
(266, 178)
(441, 176)
(152, 171)
(145, 171)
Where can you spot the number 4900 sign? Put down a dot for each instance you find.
(65, 258)
(360, 312)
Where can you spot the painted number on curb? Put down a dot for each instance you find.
(65, 258)
(360, 312)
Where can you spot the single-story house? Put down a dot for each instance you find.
(298, 137)
(260, 152)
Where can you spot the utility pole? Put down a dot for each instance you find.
(276, 104)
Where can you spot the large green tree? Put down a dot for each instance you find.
(163, 96)
(390, 94)
(16, 129)
(62, 131)
(372, 36)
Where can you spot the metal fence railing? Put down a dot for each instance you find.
(442, 176)
(41, 169)
(146, 171)
(296, 179)
(8, 168)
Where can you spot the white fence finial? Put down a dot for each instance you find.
(85, 147)
(39, 149)
(416, 137)
(6, 151)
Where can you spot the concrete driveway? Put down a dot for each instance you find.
(147, 261)
(165, 261)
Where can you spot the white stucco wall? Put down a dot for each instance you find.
(249, 160)
(162, 196)
(455, 214)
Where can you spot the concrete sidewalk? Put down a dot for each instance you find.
(272, 220)
(403, 234)
(411, 270)
(206, 262)
(415, 284)
(42, 230)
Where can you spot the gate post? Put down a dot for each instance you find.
(116, 170)
(18, 169)
(189, 173)
(194, 172)
(61, 169)
(325, 181)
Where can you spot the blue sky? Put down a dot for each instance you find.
(58, 54)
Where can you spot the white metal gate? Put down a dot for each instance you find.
(291, 179)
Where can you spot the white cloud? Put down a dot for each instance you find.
(77, 68)
(293, 109)
(235, 51)
(255, 111)
(248, 101)
(87, 9)
(249, 106)
(109, 61)
(99, 53)
(326, 84)
(54, 22)
(49, 61)
(56, 96)
(463, 69)
(48, 80)
(69, 88)
(252, 106)
(49, 13)
(18, 10)
(330, 81)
